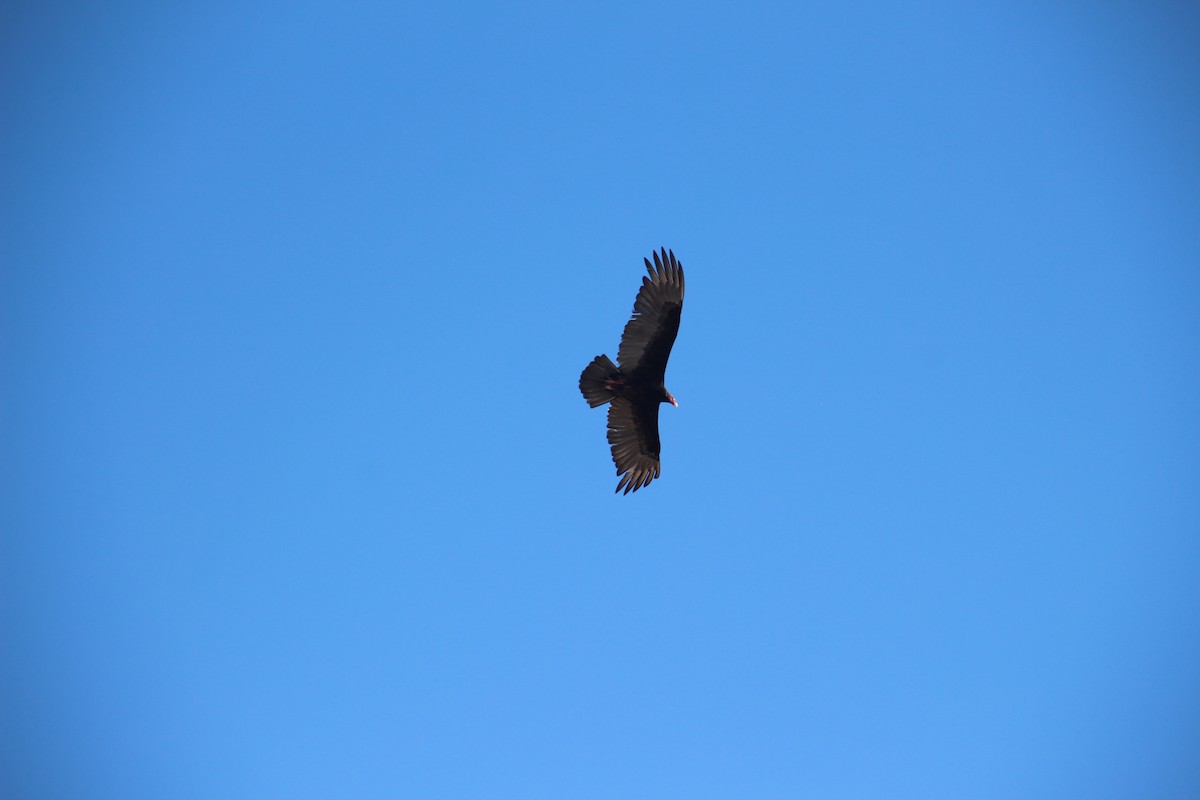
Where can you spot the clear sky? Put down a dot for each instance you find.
(300, 498)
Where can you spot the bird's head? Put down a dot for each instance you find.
(669, 398)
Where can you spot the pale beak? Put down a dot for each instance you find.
(671, 398)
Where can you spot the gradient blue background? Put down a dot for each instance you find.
(300, 499)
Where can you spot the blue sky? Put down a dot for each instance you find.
(300, 498)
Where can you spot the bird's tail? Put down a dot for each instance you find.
(600, 381)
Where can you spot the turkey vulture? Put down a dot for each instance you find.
(635, 388)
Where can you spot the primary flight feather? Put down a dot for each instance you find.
(635, 385)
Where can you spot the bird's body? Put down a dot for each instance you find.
(636, 387)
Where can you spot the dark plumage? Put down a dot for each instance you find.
(635, 388)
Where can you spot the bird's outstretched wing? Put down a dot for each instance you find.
(649, 335)
(633, 434)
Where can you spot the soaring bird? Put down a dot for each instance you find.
(635, 388)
